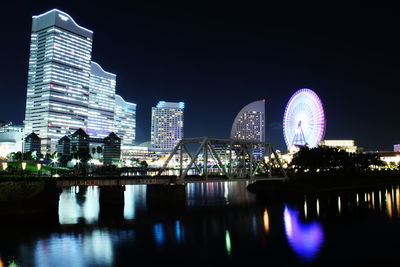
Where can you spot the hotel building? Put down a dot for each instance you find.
(167, 124)
(67, 91)
(249, 123)
(58, 78)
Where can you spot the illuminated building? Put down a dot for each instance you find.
(32, 143)
(11, 138)
(101, 102)
(112, 149)
(347, 145)
(249, 123)
(390, 158)
(167, 124)
(64, 146)
(125, 121)
(79, 142)
(58, 77)
(396, 148)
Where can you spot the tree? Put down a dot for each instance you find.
(325, 159)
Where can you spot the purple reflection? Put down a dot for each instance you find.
(305, 239)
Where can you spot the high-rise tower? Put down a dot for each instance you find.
(58, 78)
(125, 121)
(101, 102)
(167, 124)
(249, 123)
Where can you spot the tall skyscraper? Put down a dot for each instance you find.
(125, 121)
(249, 123)
(58, 78)
(167, 124)
(101, 102)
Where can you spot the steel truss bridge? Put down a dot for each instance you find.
(235, 160)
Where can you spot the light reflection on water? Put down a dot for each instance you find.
(230, 231)
(93, 248)
(134, 199)
(305, 238)
(78, 203)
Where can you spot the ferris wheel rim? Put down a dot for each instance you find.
(312, 101)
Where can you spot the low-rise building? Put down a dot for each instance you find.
(11, 138)
(390, 157)
(64, 146)
(396, 148)
(32, 143)
(79, 142)
(347, 145)
(112, 149)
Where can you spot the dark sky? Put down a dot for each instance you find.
(218, 56)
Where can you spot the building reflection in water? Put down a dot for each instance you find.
(305, 239)
(94, 248)
(228, 244)
(79, 203)
(383, 200)
(158, 232)
(266, 221)
(218, 193)
(135, 200)
(179, 231)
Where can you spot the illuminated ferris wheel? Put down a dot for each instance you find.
(304, 120)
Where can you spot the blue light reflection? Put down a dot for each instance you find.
(179, 231)
(305, 239)
(159, 234)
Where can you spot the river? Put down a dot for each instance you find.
(216, 224)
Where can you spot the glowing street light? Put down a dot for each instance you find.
(39, 166)
(23, 165)
(4, 165)
(54, 160)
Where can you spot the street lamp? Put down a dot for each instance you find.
(54, 160)
(39, 167)
(23, 165)
(4, 165)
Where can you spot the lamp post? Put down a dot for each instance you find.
(39, 167)
(23, 165)
(5, 166)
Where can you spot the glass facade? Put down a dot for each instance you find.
(58, 78)
(167, 124)
(101, 102)
(249, 124)
(125, 121)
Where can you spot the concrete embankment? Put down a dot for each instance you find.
(28, 198)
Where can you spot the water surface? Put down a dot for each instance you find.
(217, 223)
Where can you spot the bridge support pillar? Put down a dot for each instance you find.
(111, 200)
(166, 198)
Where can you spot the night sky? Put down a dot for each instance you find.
(219, 56)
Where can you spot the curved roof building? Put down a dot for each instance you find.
(249, 123)
(101, 101)
(58, 77)
(125, 120)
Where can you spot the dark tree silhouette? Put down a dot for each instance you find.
(324, 159)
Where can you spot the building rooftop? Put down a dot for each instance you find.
(164, 104)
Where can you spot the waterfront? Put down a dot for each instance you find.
(217, 223)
